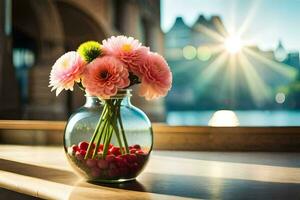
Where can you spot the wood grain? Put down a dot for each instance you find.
(32, 125)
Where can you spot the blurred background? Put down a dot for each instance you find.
(233, 63)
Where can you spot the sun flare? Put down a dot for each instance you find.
(233, 44)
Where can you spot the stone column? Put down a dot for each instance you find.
(132, 26)
(9, 95)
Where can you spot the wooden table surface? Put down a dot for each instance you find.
(44, 172)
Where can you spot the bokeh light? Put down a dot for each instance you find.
(280, 98)
(189, 52)
(204, 53)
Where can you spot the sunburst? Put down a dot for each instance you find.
(233, 52)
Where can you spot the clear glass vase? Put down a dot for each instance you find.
(108, 140)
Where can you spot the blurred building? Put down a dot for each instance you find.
(280, 52)
(181, 35)
(41, 31)
(289, 58)
(293, 60)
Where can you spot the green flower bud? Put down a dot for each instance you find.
(90, 50)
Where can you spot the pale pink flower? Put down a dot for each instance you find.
(128, 50)
(157, 77)
(66, 71)
(104, 76)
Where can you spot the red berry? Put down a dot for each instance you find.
(91, 162)
(75, 148)
(82, 152)
(121, 162)
(130, 147)
(126, 157)
(102, 164)
(140, 152)
(131, 158)
(110, 158)
(95, 172)
(136, 146)
(134, 167)
(113, 173)
(110, 146)
(118, 158)
(100, 148)
(112, 165)
(115, 151)
(133, 150)
(79, 156)
(83, 145)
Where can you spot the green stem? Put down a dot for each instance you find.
(104, 112)
(114, 125)
(99, 138)
(107, 140)
(123, 131)
(107, 136)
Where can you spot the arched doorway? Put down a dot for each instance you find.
(44, 31)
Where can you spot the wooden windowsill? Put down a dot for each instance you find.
(188, 137)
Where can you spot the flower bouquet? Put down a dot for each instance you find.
(108, 149)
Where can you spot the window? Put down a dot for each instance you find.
(233, 63)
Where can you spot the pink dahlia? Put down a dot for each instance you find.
(157, 77)
(66, 71)
(128, 50)
(104, 76)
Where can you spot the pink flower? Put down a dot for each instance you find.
(104, 76)
(128, 50)
(157, 77)
(66, 71)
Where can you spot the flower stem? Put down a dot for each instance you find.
(123, 132)
(95, 134)
(107, 140)
(116, 128)
(99, 138)
(109, 132)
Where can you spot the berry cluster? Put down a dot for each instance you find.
(114, 165)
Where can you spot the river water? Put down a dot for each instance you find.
(244, 118)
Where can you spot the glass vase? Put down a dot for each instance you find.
(108, 140)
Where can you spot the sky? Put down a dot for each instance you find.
(264, 22)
